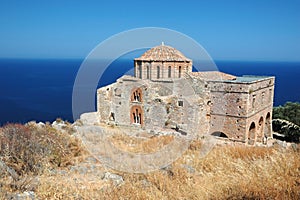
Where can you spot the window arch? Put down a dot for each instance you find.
(169, 72)
(136, 115)
(136, 95)
(158, 72)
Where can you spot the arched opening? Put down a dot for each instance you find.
(251, 134)
(158, 72)
(169, 72)
(267, 129)
(179, 72)
(260, 136)
(148, 72)
(219, 134)
(136, 95)
(136, 115)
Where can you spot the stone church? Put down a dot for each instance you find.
(165, 93)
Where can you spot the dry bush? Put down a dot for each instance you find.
(29, 151)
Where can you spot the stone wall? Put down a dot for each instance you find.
(235, 106)
(239, 110)
(168, 104)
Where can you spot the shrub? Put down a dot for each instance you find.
(290, 130)
(32, 149)
(290, 112)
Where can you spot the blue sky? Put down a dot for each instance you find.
(228, 30)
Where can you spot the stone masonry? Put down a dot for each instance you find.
(165, 93)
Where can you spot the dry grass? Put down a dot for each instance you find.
(260, 173)
(140, 145)
(73, 186)
(227, 172)
(265, 174)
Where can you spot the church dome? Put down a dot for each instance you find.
(163, 53)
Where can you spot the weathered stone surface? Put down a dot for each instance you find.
(117, 179)
(166, 93)
(91, 118)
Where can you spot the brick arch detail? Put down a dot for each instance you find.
(268, 124)
(136, 115)
(136, 95)
(260, 129)
(252, 133)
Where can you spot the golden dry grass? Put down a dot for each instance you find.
(140, 145)
(227, 172)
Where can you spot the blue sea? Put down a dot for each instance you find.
(41, 89)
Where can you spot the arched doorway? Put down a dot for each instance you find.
(251, 134)
(260, 135)
(267, 129)
(219, 134)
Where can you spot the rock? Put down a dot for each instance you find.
(40, 124)
(270, 142)
(188, 168)
(24, 196)
(91, 118)
(58, 125)
(117, 179)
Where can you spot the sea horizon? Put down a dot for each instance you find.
(40, 89)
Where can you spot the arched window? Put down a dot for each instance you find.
(158, 72)
(136, 115)
(169, 72)
(136, 95)
(148, 72)
(179, 72)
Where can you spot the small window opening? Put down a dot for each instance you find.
(169, 72)
(112, 116)
(180, 103)
(137, 117)
(148, 72)
(179, 72)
